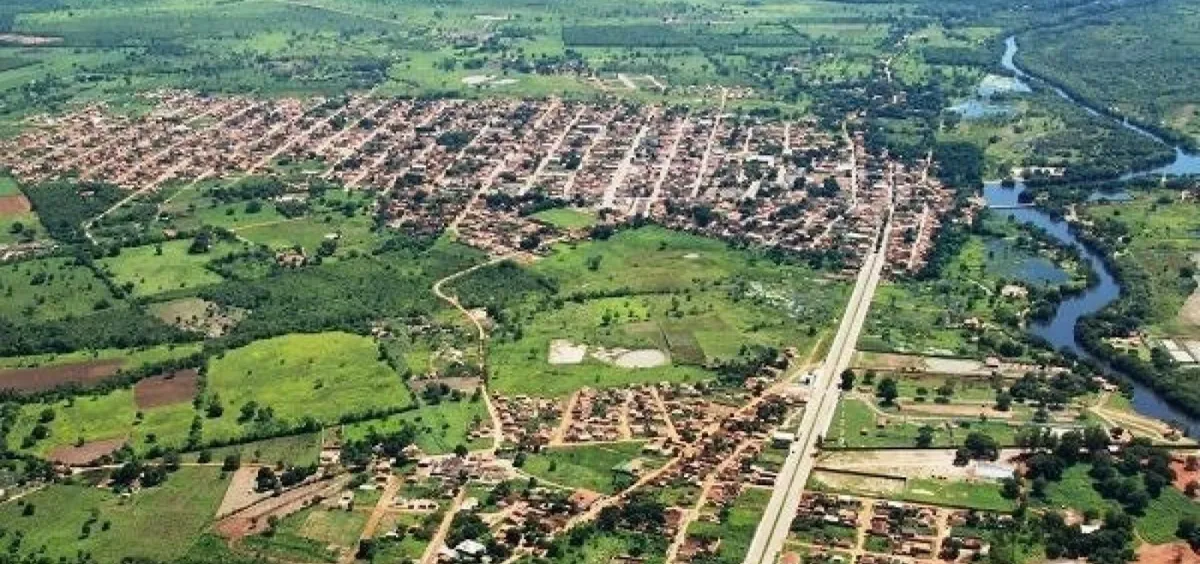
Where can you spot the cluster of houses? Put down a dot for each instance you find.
(821, 510)
(526, 420)
(910, 530)
(777, 182)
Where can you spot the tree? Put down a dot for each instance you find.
(847, 380)
(231, 463)
(887, 391)
(981, 446)
(265, 480)
(1038, 489)
(460, 450)
(925, 436)
(1003, 401)
(1010, 488)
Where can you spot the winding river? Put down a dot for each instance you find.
(1060, 330)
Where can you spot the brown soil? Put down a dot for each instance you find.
(461, 384)
(166, 389)
(1174, 553)
(1182, 475)
(89, 452)
(49, 377)
(253, 518)
(13, 205)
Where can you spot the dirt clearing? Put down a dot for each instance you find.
(166, 389)
(1174, 553)
(28, 380)
(89, 452)
(563, 351)
(14, 205)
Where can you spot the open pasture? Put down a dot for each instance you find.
(324, 376)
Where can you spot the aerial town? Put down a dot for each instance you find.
(778, 183)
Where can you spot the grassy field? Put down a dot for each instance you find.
(1162, 243)
(158, 523)
(588, 466)
(298, 450)
(109, 416)
(737, 531)
(930, 317)
(692, 297)
(149, 271)
(440, 427)
(855, 425)
(324, 376)
(974, 495)
(305, 536)
(566, 218)
(133, 358)
(1157, 525)
(50, 288)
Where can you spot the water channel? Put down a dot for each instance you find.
(1059, 331)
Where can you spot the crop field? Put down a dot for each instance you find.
(45, 372)
(156, 523)
(324, 376)
(154, 269)
(440, 427)
(50, 288)
(588, 466)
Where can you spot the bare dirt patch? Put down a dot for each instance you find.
(88, 452)
(1174, 553)
(910, 464)
(240, 493)
(40, 379)
(460, 384)
(166, 389)
(563, 351)
(15, 204)
(201, 316)
(647, 358)
(877, 485)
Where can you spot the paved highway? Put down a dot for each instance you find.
(772, 531)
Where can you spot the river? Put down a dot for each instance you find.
(1060, 330)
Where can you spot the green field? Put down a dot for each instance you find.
(738, 530)
(974, 495)
(297, 450)
(50, 288)
(148, 271)
(1156, 525)
(588, 466)
(132, 358)
(158, 523)
(566, 218)
(113, 415)
(440, 427)
(694, 298)
(323, 376)
(1160, 234)
(855, 425)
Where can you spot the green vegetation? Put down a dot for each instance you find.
(285, 381)
(696, 299)
(164, 267)
(974, 495)
(156, 523)
(294, 450)
(736, 528)
(439, 427)
(566, 218)
(50, 288)
(856, 425)
(1141, 77)
(593, 467)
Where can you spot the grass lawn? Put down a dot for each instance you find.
(290, 543)
(50, 288)
(974, 495)
(738, 530)
(588, 466)
(1156, 525)
(299, 450)
(133, 358)
(152, 273)
(309, 232)
(855, 426)
(109, 416)
(440, 427)
(323, 375)
(567, 218)
(155, 524)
